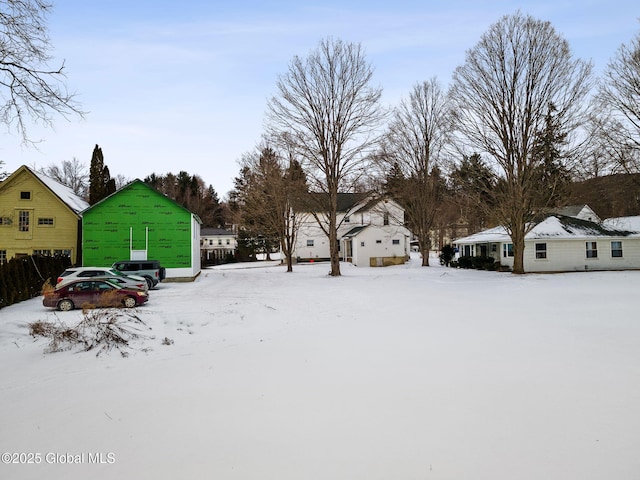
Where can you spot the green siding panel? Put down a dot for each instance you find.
(131, 212)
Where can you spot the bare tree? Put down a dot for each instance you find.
(519, 73)
(72, 173)
(412, 150)
(30, 88)
(3, 174)
(619, 97)
(271, 187)
(601, 153)
(326, 106)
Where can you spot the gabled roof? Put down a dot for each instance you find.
(75, 202)
(374, 200)
(584, 212)
(318, 202)
(137, 181)
(62, 192)
(559, 226)
(552, 227)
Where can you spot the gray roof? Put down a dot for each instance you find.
(210, 231)
(354, 231)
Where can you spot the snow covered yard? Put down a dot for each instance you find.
(392, 373)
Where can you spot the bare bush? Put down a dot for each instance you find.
(100, 330)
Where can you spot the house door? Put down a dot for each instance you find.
(347, 250)
(137, 253)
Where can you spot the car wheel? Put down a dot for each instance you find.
(65, 305)
(149, 282)
(129, 302)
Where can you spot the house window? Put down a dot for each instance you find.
(228, 242)
(43, 253)
(3, 257)
(385, 218)
(23, 221)
(395, 242)
(362, 244)
(5, 221)
(62, 253)
(541, 251)
(616, 249)
(507, 250)
(45, 221)
(25, 195)
(219, 241)
(592, 249)
(309, 243)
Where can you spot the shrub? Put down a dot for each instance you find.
(479, 263)
(446, 255)
(22, 278)
(465, 262)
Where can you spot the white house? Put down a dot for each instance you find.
(371, 232)
(217, 244)
(561, 243)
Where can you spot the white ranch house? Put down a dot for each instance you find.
(571, 239)
(371, 232)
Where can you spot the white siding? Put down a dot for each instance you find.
(386, 248)
(565, 255)
(373, 218)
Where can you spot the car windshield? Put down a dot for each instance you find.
(115, 272)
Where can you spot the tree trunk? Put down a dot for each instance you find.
(333, 247)
(425, 257)
(285, 246)
(424, 244)
(334, 252)
(517, 237)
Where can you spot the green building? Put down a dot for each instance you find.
(139, 223)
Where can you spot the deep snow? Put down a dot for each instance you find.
(391, 373)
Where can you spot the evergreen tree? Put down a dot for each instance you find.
(472, 185)
(101, 185)
(553, 175)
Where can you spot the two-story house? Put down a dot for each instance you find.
(217, 245)
(371, 232)
(38, 216)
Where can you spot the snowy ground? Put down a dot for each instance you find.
(395, 373)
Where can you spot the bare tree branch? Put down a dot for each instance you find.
(29, 88)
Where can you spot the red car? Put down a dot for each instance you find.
(94, 293)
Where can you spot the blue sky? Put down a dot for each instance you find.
(172, 86)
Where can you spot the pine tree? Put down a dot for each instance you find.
(101, 185)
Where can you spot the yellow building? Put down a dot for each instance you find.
(38, 216)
